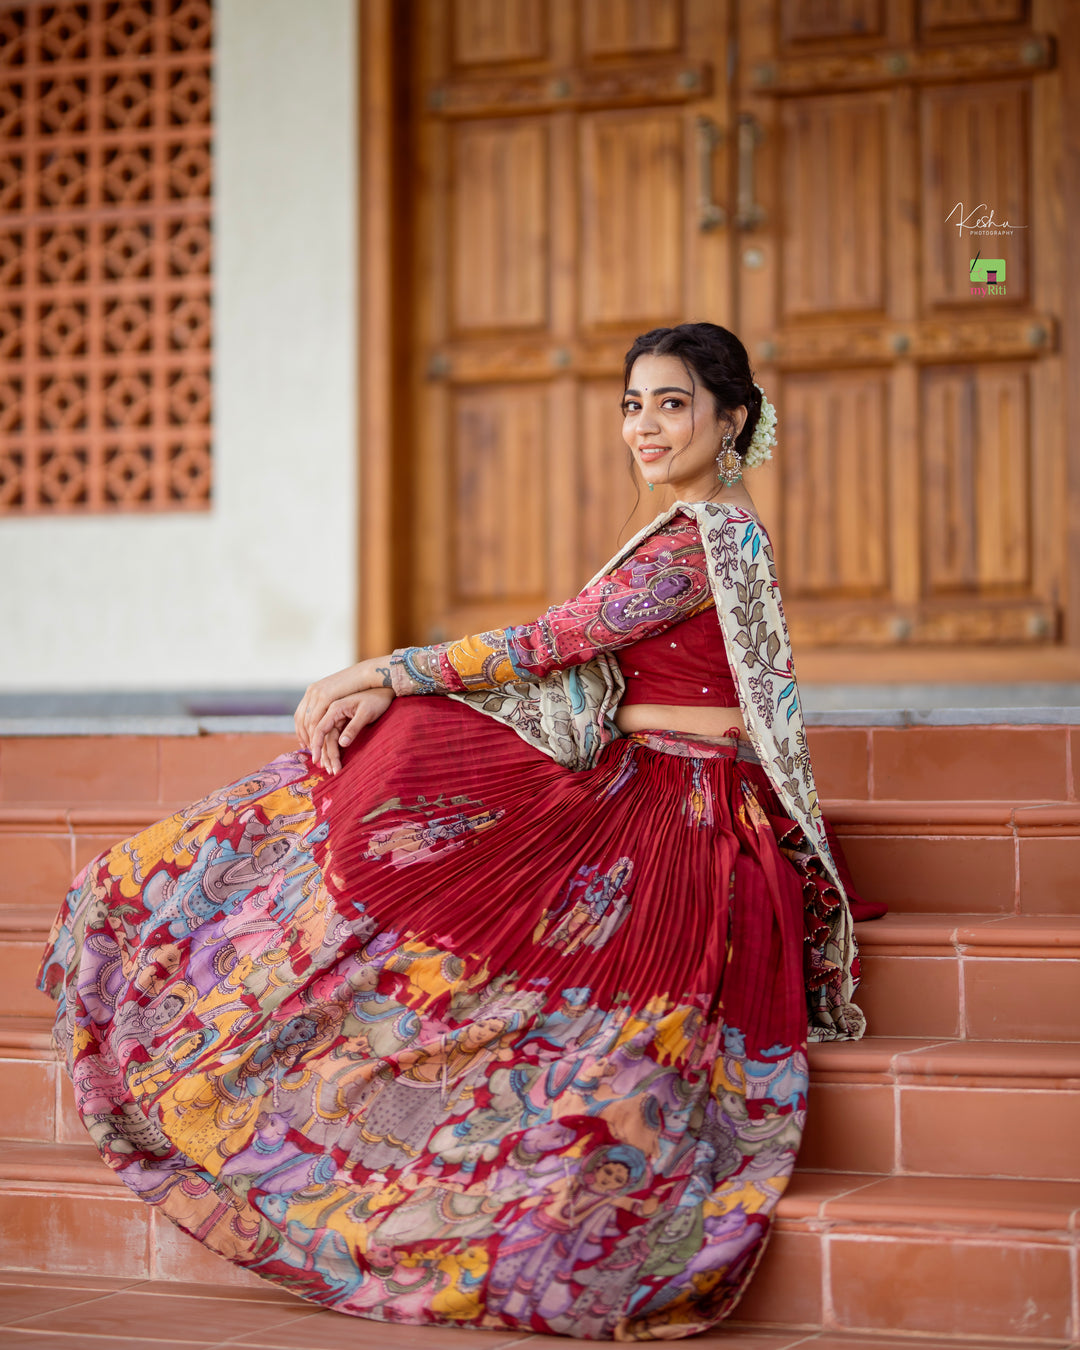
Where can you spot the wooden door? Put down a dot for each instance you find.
(568, 155)
(919, 500)
(552, 177)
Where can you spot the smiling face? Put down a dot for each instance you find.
(671, 425)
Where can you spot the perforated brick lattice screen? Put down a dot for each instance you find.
(105, 256)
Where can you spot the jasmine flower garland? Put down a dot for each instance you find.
(764, 437)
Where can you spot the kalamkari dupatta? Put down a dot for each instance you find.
(569, 714)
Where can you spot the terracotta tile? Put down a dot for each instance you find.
(950, 1287)
(192, 766)
(910, 995)
(898, 934)
(889, 816)
(787, 1285)
(324, 1330)
(17, 1302)
(841, 760)
(1050, 876)
(46, 1165)
(1044, 934)
(19, 1338)
(810, 1193)
(996, 1064)
(990, 1132)
(980, 763)
(19, 995)
(69, 1126)
(75, 1232)
(28, 1099)
(725, 1336)
(90, 846)
(867, 1061)
(934, 876)
(97, 1284)
(34, 868)
(70, 769)
(176, 1256)
(849, 1128)
(845, 1340)
(1022, 1000)
(206, 1321)
(959, 1202)
(262, 1291)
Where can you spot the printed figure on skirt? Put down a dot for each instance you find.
(489, 1005)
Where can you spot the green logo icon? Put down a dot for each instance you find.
(987, 271)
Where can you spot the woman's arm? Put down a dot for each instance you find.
(663, 582)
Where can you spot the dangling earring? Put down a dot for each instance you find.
(728, 462)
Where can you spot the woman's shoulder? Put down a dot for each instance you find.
(694, 515)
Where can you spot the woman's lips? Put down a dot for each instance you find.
(651, 452)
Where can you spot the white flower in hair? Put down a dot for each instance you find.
(764, 437)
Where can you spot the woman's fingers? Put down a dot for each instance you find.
(331, 755)
(370, 706)
(335, 717)
(359, 720)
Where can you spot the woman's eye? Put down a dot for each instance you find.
(630, 407)
(672, 403)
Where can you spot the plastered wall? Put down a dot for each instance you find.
(260, 591)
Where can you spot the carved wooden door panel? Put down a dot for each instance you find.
(568, 157)
(919, 497)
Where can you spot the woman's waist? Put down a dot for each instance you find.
(682, 719)
(688, 745)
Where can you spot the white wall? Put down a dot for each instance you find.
(260, 591)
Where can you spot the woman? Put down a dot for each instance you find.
(498, 1020)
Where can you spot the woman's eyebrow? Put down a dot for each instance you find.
(664, 389)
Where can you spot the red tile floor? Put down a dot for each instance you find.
(73, 1312)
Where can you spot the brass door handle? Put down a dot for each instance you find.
(748, 214)
(711, 215)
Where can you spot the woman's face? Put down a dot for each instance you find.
(671, 427)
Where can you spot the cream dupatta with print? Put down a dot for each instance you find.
(568, 714)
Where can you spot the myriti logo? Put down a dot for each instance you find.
(987, 276)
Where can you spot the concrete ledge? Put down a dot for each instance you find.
(140, 726)
(945, 717)
(147, 725)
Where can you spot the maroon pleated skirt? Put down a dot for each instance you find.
(459, 1036)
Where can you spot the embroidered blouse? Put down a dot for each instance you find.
(663, 583)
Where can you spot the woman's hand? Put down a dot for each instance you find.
(342, 722)
(370, 674)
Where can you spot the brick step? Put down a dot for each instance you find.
(919, 857)
(944, 1108)
(978, 977)
(987, 857)
(947, 1257)
(922, 1256)
(981, 977)
(885, 1104)
(956, 763)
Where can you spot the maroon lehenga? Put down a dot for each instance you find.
(460, 1035)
